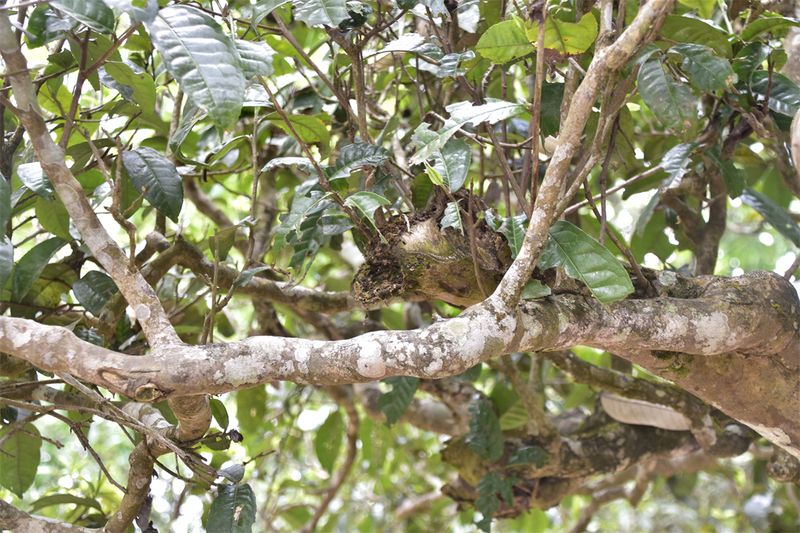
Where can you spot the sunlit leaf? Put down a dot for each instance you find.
(566, 37)
(503, 42)
(587, 260)
(93, 13)
(321, 12)
(202, 58)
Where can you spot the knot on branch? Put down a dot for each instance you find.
(420, 260)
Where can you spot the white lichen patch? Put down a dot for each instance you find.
(674, 327)
(142, 312)
(243, 370)
(713, 332)
(301, 356)
(19, 336)
(370, 360)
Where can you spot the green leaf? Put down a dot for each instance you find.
(137, 87)
(256, 58)
(6, 261)
(775, 215)
(262, 8)
(529, 455)
(734, 178)
(672, 103)
(705, 8)
(485, 437)
(251, 410)
(321, 12)
(452, 217)
(784, 94)
(504, 42)
(461, 114)
(32, 176)
(156, 177)
(515, 417)
(139, 10)
(93, 13)
(93, 291)
(707, 71)
(690, 30)
(395, 402)
(303, 163)
(203, 60)
(535, 289)
(514, 230)
(19, 457)
(5, 204)
(309, 128)
(587, 260)
(31, 265)
(566, 38)
(222, 241)
(53, 217)
(488, 503)
(65, 499)
(355, 156)
(452, 163)
(749, 59)
(220, 413)
(366, 202)
(767, 22)
(233, 510)
(328, 440)
(676, 163)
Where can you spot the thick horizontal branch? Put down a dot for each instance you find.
(734, 334)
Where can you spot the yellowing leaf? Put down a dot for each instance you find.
(566, 37)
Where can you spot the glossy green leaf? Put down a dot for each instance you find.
(767, 22)
(233, 510)
(366, 202)
(262, 8)
(203, 60)
(671, 102)
(676, 163)
(321, 12)
(31, 265)
(139, 10)
(504, 42)
(485, 437)
(156, 177)
(328, 440)
(707, 71)
(452, 163)
(395, 402)
(452, 217)
(734, 178)
(462, 114)
(303, 163)
(784, 94)
(566, 37)
(5, 204)
(587, 260)
(93, 13)
(256, 58)
(514, 230)
(775, 215)
(6, 260)
(683, 29)
(32, 176)
(19, 457)
(357, 156)
(53, 216)
(94, 290)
